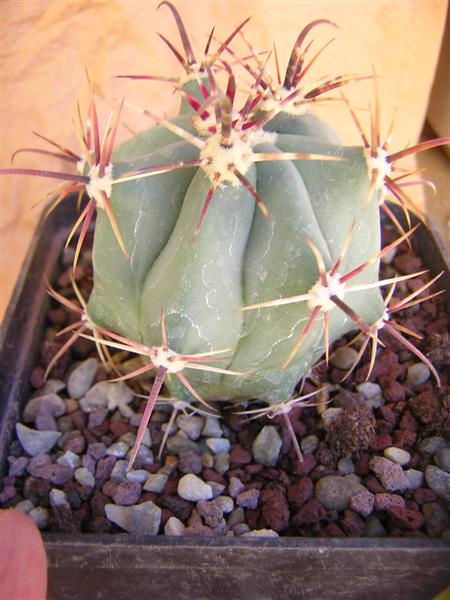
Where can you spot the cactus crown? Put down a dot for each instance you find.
(234, 243)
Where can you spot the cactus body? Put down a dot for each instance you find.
(239, 257)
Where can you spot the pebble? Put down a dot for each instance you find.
(241, 529)
(25, 506)
(248, 499)
(222, 462)
(54, 473)
(39, 516)
(343, 358)
(192, 425)
(84, 477)
(174, 527)
(97, 417)
(261, 533)
(143, 519)
(155, 483)
(334, 492)
(417, 374)
(208, 460)
(345, 465)
(95, 398)
(126, 493)
(137, 476)
(212, 427)
(210, 512)
(436, 518)
(330, 414)
(58, 499)
(442, 459)
(192, 488)
(81, 378)
(36, 442)
(266, 446)
(369, 390)
(390, 474)
(362, 503)
(50, 404)
(309, 444)
(415, 478)
(431, 445)
(373, 528)
(235, 486)
(388, 501)
(129, 438)
(143, 458)
(119, 471)
(69, 459)
(225, 503)
(120, 396)
(438, 480)
(190, 462)
(119, 449)
(218, 445)
(397, 455)
(216, 487)
(177, 444)
(36, 462)
(17, 466)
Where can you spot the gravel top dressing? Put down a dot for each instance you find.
(376, 457)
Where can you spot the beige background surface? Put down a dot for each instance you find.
(46, 44)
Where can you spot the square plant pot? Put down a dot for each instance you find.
(116, 566)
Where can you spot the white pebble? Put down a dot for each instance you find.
(36, 442)
(343, 358)
(155, 482)
(330, 414)
(217, 445)
(119, 471)
(58, 499)
(191, 425)
(261, 533)
(40, 516)
(137, 475)
(192, 488)
(309, 444)
(119, 449)
(25, 506)
(415, 478)
(69, 459)
(212, 427)
(266, 446)
(81, 378)
(369, 389)
(417, 374)
(174, 527)
(346, 466)
(397, 455)
(225, 503)
(84, 477)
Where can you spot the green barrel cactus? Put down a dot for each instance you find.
(238, 244)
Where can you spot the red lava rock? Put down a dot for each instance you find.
(55, 474)
(276, 513)
(236, 422)
(331, 530)
(407, 263)
(75, 444)
(119, 428)
(305, 466)
(126, 493)
(105, 467)
(97, 450)
(253, 469)
(182, 509)
(408, 422)
(99, 524)
(210, 475)
(8, 492)
(390, 474)
(362, 503)
(300, 492)
(381, 441)
(373, 485)
(352, 524)
(240, 457)
(210, 513)
(37, 377)
(388, 414)
(165, 516)
(252, 517)
(406, 519)
(362, 464)
(394, 392)
(388, 501)
(190, 462)
(311, 512)
(424, 495)
(404, 439)
(197, 529)
(97, 418)
(98, 503)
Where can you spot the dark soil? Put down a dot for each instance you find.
(291, 498)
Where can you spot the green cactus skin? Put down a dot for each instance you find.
(238, 258)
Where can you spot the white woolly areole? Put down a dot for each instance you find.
(321, 294)
(383, 320)
(378, 163)
(99, 184)
(272, 100)
(169, 359)
(238, 155)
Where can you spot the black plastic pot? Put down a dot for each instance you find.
(114, 567)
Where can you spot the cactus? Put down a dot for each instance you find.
(238, 244)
